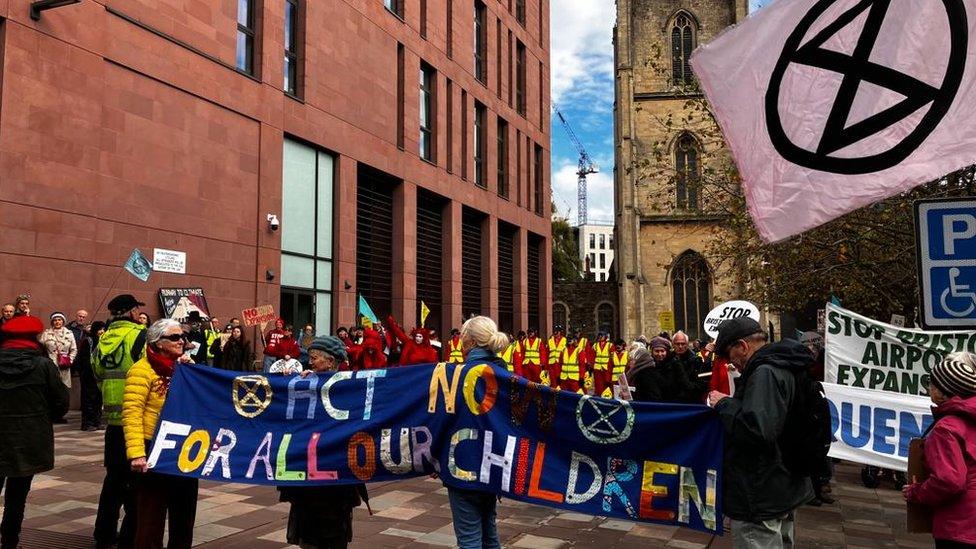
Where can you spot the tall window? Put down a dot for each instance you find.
(520, 12)
(520, 78)
(537, 177)
(604, 317)
(691, 285)
(427, 112)
(395, 6)
(292, 22)
(245, 36)
(480, 136)
(306, 236)
(688, 172)
(502, 158)
(603, 242)
(560, 314)
(480, 42)
(592, 241)
(682, 44)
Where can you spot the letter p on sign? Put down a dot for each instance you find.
(957, 227)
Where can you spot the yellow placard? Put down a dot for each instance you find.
(666, 319)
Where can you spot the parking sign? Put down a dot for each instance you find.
(945, 234)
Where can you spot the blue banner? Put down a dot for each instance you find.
(477, 425)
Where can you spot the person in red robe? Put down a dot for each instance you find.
(415, 349)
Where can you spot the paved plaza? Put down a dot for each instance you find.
(415, 513)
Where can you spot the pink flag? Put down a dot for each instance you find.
(830, 105)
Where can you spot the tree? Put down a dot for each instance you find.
(566, 265)
(865, 258)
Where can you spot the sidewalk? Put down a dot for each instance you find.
(415, 513)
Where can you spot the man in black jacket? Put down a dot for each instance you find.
(31, 397)
(760, 493)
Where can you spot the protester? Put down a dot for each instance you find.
(271, 340)
(78, 327)
(146, 386)
(572, 369)
(32, 395)
(212, 332)
(687, 358)
(534, 357)
(667, 380)
(197, 338)
(454, 353)
(60, 347)
(91, 395)
(600, 358)
(416, 349)
(759, 491)
(304, 341)
(321, 516)
(122, 344)
(369, 352)
(144, 319)
(619, 363)
(554, 351)
(950, 454)
(22, 303)
(7, 312)
(236, 354)
(512, 357)
(474, 512)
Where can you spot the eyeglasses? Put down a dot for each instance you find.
(174, 337)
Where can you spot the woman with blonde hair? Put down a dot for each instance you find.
(474, 512)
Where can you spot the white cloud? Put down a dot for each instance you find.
(582, 49)
(599, 192)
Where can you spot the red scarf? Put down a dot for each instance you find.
(163, 367)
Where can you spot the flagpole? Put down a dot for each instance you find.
(108, 291)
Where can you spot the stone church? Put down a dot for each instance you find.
(663, 150)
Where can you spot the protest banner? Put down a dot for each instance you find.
(479, 426)
(258, 315)
(875, 427)
(179, 302)
(728, 311)
(861, 352)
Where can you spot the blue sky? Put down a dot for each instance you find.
(582, 87)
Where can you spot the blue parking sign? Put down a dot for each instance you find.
(945, 234)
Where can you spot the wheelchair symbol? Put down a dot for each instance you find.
(958, 291)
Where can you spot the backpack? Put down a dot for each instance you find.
(806, 437)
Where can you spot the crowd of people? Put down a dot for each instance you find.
(765, 394)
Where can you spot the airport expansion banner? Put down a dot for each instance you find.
(477, 425)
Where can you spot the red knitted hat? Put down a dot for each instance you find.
(20, 330)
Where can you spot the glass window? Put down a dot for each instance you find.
(297, 272)
(691, 284)
(395, 6)
(682, 44)
(502, 158)
(520, 78)
(520, 12)
(603, 261)
(323, 225)
(592, 241)
(480, 42)
(537, 176)
(479, 144)
(298, 199)
(291, 46)
(323, 313)
(603, 242)
(687, 176)
(604, 317)
(427, 112)
(245, 36)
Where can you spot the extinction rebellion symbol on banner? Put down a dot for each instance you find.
(834, 128)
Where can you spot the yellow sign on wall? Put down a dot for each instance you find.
(666, 319)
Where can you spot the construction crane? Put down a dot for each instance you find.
(586, 167)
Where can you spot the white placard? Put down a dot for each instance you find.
(728, 311)
(169, 261)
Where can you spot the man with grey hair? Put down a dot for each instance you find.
(684, 356)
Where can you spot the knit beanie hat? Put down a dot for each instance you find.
(955, 375)
(58, 314)
(660, 342)
(20, 332)
(330, 345)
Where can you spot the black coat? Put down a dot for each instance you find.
(668, 381)
(32, 395)
(236, 356)
(757, 486)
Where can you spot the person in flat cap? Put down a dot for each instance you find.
(31, 397)
(321, 516)
(950, 453)
(760, 492)
(122, 345)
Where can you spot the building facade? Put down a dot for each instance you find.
(596, 250)
(664, 219)
(402, 147)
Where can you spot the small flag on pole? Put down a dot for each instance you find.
(366, 312)
(138, 266)
(424, 311)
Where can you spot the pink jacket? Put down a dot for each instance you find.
(950, 490)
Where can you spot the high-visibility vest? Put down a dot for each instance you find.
(584, 343)
(456, 355)
(570, 369)
(532, 355)
(556, 350)
(602, 355)
(508, 356)
(620, 363)
(212, 336)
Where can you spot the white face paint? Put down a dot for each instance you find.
(418, 339)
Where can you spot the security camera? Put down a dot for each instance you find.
(273, 222)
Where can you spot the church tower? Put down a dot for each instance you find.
(667, 152)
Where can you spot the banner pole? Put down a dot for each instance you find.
(108, 291)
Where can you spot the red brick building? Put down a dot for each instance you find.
(402, 144)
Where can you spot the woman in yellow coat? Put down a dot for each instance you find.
(146, 385)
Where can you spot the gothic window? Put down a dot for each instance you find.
(682, 44)
(604, 317)
(691, 286)
(688, 172)
(560, 314)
